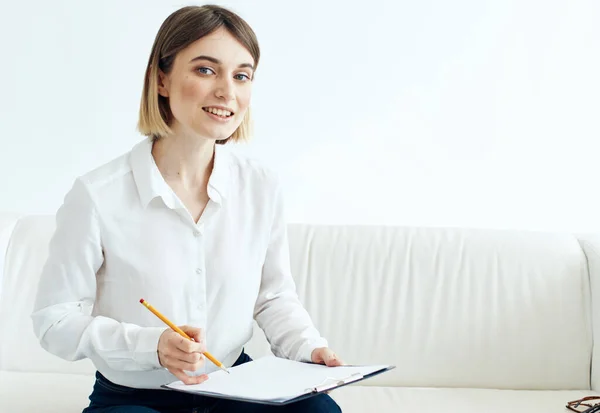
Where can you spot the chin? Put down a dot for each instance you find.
(214, 135)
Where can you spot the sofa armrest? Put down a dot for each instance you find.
(7, 226)
(590, 244)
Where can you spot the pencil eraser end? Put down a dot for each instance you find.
(142, 300)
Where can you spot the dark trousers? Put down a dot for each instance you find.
(108, 397)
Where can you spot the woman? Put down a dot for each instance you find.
(196, 231)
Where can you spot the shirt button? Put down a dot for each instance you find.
(196, 233)
(198, 270)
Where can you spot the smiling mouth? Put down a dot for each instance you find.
(222, 113)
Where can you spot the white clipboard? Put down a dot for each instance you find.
(278, 381)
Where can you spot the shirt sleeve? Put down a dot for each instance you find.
(278, 311)
(62, 315)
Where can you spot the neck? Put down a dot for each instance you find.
(186, 161)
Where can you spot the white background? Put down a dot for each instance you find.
(431, 113)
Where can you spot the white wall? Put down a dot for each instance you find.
(464, 113)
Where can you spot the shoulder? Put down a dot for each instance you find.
(107, 173)
(106, 176)
(249, 172)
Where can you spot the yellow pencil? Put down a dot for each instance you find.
(182, 333)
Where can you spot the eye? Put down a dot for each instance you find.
(205, 70)
(242, 76)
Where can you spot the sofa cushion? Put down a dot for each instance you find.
(22, 392)
(68, 393)
(355, 398)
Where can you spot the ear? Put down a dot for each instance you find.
(163, 84)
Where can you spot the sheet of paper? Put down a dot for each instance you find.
(272, 378)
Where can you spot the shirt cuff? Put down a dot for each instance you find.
(146, 349)
(305, 351)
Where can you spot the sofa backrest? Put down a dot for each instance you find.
(448, 307)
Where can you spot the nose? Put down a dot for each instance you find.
(225, 89)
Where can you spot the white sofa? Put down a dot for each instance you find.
(474, 320)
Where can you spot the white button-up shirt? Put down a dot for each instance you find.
(122, 234)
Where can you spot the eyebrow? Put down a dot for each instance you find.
(218, 62)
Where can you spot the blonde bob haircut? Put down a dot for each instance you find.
(179, 30)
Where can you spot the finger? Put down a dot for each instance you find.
(194, 332)
(322, 355)
(317, 356)
(188, 346)
(331, 359)
(181, 375)
(334, 362)
(194, 357)
(201, 348)
(198, 335)
(328, 359)
(174, 363)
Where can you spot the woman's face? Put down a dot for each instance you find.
(209, 86)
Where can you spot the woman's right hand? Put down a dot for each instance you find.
(178, 354)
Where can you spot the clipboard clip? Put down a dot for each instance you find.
(332, 382)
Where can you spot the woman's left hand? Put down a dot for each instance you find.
(324, 355)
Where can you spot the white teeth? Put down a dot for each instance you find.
(219, 112)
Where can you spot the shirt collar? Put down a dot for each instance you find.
(151, 184)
